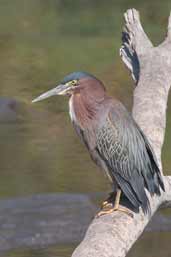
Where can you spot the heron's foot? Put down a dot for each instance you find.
(106, 204)
(119, 208)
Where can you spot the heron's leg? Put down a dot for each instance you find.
(116, 206)
(117, 199)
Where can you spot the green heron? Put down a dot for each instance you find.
(114, 140)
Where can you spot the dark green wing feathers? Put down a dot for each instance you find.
(128, 157)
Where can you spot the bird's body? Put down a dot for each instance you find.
(119, 147)
(114, 140)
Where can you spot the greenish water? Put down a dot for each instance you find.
(59, 251)
(41, 41)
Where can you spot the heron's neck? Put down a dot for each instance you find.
(82, 112)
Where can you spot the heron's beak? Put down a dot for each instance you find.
(61, 89)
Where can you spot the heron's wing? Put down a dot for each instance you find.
(128, 156)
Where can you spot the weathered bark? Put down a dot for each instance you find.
(113, 235)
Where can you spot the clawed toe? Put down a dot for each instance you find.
(119, 208)
(106, 204)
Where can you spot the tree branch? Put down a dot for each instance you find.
(113, 235)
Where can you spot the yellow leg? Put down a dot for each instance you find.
(116, 206)
(117, 199)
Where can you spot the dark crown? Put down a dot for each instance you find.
(76, 76)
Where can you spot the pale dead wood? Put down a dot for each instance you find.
(113, 235)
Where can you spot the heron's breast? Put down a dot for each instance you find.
(71, 110)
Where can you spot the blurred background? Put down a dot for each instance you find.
(40, 42)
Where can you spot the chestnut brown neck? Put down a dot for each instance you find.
(85, 103)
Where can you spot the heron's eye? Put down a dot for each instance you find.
(74, 82)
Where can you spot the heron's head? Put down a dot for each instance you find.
(76, 83)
